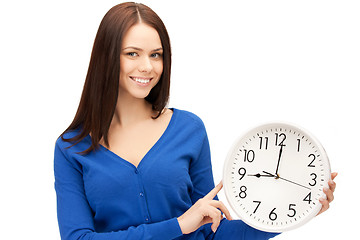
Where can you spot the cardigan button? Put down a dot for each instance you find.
(136, 171)
(141, 194)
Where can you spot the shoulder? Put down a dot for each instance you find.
(72, 146)
(60, 141)
(188, 117)
(188, 125)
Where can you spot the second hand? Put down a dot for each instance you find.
(286, 180)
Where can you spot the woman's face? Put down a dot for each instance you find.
(141, 61)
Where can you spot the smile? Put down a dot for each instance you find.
(141, 80)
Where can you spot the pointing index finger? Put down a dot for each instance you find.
(214, 191)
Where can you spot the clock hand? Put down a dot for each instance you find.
(258, 175)
(277, 177)
(270, 174)
(278, 163)
(295, 183)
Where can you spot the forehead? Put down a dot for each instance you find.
(142, 36)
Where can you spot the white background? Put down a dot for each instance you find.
(236, 64)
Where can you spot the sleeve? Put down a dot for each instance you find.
(201, 171)
(75, 217)
(237, 229)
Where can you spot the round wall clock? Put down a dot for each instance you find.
(274, 176)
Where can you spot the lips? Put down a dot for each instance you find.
(141, 80)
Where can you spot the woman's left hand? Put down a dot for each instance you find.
(329, 194)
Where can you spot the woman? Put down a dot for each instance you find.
(127, 167)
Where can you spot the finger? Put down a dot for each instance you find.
(333, 175)
(214, 191)
(332, 185)
(215, 215)
(325, 205)
(220, 205)
(329, 194)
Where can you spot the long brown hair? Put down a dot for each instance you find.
(101, 88)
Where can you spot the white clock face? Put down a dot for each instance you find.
(274, 177)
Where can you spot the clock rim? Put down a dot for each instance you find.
(325, 158)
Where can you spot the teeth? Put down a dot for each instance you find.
(141, 80)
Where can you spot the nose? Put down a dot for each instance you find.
(145, 65)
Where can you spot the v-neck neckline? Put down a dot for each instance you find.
(158, 142)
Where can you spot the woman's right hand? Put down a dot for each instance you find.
(205, 210)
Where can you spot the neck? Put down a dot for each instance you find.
(130, 110)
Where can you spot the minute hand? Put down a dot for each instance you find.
(278, 163)
(277, 176)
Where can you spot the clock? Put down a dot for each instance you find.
(274, 176)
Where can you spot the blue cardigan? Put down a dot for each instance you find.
(102, 196)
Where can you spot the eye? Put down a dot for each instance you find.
(132, 54)
(156, 55)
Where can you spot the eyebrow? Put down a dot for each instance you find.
(139, 49)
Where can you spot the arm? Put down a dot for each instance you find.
(201, 171)
(75, 216)
(205, 209)
(237, 229)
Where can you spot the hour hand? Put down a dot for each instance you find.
(258, 175)
(269, 174)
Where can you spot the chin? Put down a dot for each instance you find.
(140, 94)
